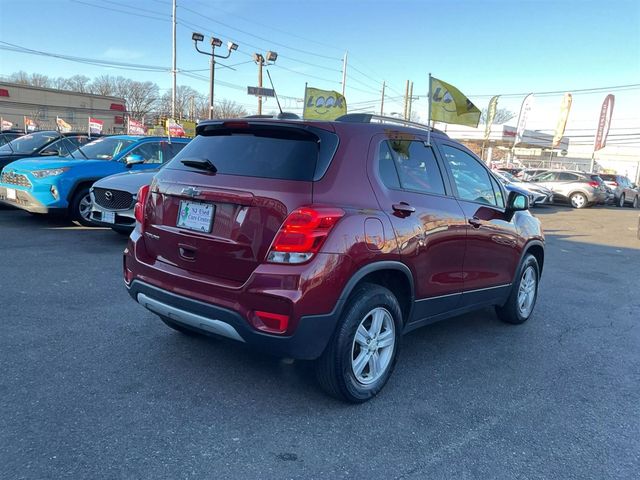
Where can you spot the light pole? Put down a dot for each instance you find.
(215, 42)
(261, 61)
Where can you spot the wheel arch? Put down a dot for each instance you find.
(80, 184)
(535, 248)
(393, 275)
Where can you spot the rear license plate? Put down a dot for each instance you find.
(11, 194)
(196, 216)
(109, 217)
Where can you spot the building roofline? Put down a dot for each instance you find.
(57, 90)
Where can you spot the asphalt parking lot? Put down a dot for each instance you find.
(94, 386)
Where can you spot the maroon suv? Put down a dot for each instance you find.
(328, 241)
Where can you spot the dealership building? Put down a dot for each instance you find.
(45, 104)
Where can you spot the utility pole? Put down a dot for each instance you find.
(344, 71)
(382, 100)
(173, 68)
(260, 60)
(410, 101)
(406, 101)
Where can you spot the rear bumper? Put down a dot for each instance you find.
(307, 343)
(310, 295)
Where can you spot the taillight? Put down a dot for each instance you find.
(594, 184)
(615, 184)
(141, 202)
(303, 233)
(270, 322)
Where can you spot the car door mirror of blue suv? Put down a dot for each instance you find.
(133, 159)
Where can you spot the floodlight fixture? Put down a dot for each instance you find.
(197, 37)
(216, 42)
(271, 56)
(232, 46)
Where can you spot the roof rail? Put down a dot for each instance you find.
(372, 118)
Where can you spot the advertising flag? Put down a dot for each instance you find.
(134, 127)
(174, 129)
(449, 105)
(63, 126)
(527, 104)
(565, 107)
(606, 112)
(95, 126)
(323, 104)
(491, 115)
(30, 125)
(5, 124)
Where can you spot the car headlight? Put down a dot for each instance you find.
(51, 172)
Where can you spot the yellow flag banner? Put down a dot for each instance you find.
(323, 104)
(565, 107)
(449, 105)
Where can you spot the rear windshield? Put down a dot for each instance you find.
(263, 151)
(608, 177)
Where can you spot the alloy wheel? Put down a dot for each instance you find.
(84, 207)
(527, 291)
(373, 346)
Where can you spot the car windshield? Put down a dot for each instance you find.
(509, 177)
(105, 148)
(29, 144)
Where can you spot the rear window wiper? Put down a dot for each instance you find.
(201, 164)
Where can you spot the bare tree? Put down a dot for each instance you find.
(188, 102)
(228, 109)
(140, 97)
(79, 83)
(104, 85)
(20, 77)
(34, 80)
(502, 116)
(61, 83)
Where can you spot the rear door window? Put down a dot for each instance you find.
(472, 180)
(568, 177)
(264, 151)
(411, 165)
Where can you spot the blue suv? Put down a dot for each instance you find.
(61, 184)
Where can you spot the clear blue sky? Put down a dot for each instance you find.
(482, 47)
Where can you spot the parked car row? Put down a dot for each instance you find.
(579, 189)
(59, 171)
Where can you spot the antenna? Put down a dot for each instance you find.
(274, 92)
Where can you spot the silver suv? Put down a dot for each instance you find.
(624, 190)
(578, 188)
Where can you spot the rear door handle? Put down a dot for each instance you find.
(403, 208)
(187, 252)
(475, 222)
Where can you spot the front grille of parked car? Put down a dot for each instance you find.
(113, 199)
(15, 179)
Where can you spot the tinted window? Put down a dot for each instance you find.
(386, 164)
(568, 177)
(416, 166)
(62, 146)
(471, 178)
(28, 144)
(545, 177)
(149, 151)
(257, 151)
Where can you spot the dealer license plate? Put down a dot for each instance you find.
(196, 216)
(11, 194)
(109, 217)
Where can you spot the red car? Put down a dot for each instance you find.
(328, 241)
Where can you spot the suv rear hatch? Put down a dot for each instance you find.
(217, 206)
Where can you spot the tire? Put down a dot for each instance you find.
(636, 202)
(621, 201)
(179, 327)
(80, 207)
(578, 200)
(513, 311)
(374, 313)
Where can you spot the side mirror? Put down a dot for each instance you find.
(49, 152)
(517, 201)
(133, 159)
